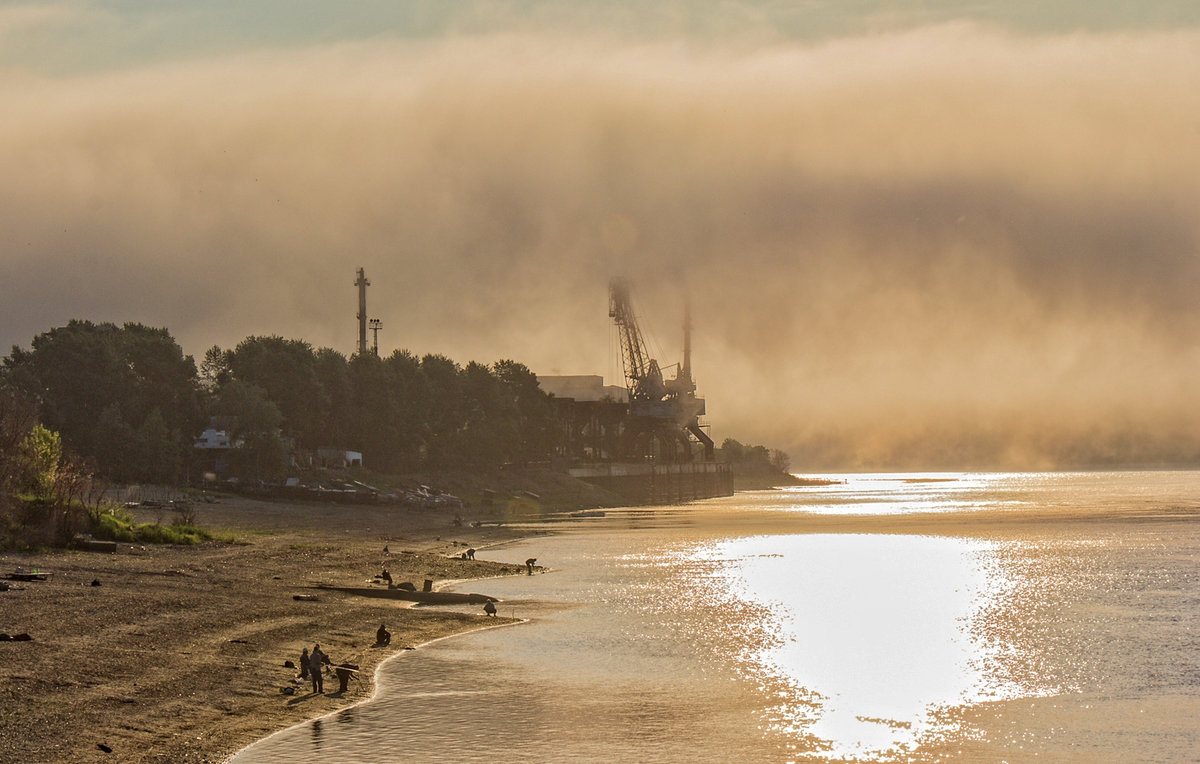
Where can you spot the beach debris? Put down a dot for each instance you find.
(22, 637)
(305, 597)
(95, 582)
(288, 690)
(289, 664)
(21, 574)
(87, 543)
(105, 748)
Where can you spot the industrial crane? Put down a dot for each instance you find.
(663, 411)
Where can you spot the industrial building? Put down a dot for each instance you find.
(643, 440)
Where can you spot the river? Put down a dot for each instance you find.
(954, 616)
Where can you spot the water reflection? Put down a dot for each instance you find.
(872, 632)
(318, 737)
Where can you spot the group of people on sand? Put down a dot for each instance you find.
(312, 666)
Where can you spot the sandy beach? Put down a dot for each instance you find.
(177, 655)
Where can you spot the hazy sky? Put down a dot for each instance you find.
(962, 235)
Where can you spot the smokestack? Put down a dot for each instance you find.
(362, 284)
(686, 371)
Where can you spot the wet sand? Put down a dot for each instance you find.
(178, 654)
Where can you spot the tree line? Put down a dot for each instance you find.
(752, 458)
(129, 402)
(125, 404)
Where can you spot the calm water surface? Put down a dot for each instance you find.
(730, 630)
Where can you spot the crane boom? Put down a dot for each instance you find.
(642, 373)
(669, 409)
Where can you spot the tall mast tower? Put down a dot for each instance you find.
(362, 284)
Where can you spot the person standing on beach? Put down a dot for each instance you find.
(529, 564)
(317, 661)
(304, 663)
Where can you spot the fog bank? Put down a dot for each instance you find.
(935, 248)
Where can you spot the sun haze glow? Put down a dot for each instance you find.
(919, 242)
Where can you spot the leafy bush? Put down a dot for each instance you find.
(114, 527)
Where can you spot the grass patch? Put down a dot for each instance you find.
(119, 526)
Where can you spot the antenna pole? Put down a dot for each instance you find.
(376, 325)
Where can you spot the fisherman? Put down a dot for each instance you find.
(344, 671)
(383, 637)
(317, 661)
(529, 564)
(489, 607)
(386, 576)
(304, 663)
(470, 554)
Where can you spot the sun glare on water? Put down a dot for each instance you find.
(871, 634)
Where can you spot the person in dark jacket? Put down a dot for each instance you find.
(317, 661)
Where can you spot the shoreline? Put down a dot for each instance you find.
(177, 655)
(375, 681)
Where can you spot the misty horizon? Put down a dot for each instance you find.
(935, 243)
